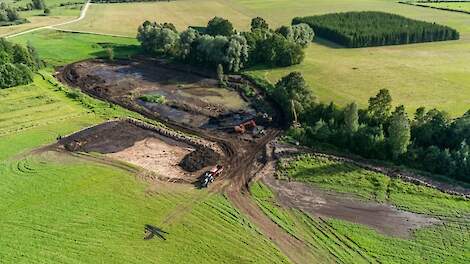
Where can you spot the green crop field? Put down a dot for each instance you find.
(429, 74)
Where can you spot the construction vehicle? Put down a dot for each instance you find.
(241, 129)
(210, 175)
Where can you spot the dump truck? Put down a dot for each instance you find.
(210, 175)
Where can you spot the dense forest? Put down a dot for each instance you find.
(9, 16)
(429, 141)
(17, 64)
(219, 44)
(367, 29)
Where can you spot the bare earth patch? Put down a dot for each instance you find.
(156, 155)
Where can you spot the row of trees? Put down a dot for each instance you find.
(430, 141)
(367, 28)
(17, 64)
(219, 44)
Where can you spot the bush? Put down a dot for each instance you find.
(367, 29)
(154, 98)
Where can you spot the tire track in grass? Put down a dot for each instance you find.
(342, 248)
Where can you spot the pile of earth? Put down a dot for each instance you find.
(198, 159)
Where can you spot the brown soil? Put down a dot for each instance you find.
(186, 93)
(384, 218)
(156, 155)
(145, 148)
(199, 159)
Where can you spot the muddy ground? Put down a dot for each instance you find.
(190, 99)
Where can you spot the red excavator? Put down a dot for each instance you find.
(241, 129)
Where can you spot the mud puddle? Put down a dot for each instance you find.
(384, 218)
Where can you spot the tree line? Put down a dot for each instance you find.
(429, 141)
(220, 44)
(17, 64)
(367, 29)
(9, 16)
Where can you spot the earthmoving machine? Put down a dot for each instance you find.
(241, 129)
(210, 175)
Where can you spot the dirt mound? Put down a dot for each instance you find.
(199, 159)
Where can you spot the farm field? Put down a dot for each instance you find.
(430, 74)
(59, 48)
(59, 14)
(463, 6)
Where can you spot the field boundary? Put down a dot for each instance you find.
(436, 7)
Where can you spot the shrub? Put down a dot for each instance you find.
(153, 98)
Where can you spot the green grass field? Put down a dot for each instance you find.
(463, 6)
(60, 48)
(429, 74)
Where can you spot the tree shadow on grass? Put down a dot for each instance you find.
(120, 51)
(330, 169)
(327, 43)
(152, 231)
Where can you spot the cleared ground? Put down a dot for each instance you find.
(430, 74)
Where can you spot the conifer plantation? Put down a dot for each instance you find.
(368, 29)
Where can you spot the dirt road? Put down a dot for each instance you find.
(81, 17)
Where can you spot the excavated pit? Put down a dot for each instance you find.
(169, 158)
(191, 99)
